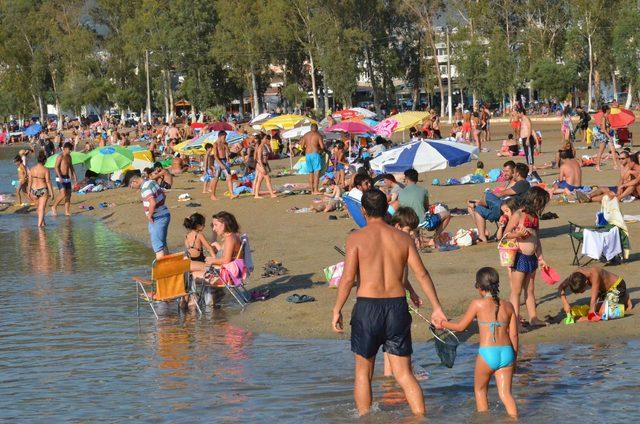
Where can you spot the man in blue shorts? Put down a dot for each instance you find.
(379, 254)
(313, 146)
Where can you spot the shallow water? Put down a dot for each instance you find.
(73, 349)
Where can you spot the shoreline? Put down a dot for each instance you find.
(304, 243)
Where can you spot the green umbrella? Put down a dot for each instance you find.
(105, 160)
(76, 158)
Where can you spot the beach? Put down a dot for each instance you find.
(304, 243)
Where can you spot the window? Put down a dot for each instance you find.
(441, 52)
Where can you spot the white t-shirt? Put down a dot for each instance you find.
(355, 193)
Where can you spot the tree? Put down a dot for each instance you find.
(553, 79)
(500, 78)
(626, 45)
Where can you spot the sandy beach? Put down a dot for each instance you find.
(304, 243)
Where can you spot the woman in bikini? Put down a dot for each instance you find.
(498, 328)
(195, 242)
(40, 188)
(524, 227)
(261, 156)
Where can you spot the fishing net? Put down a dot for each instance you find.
(446, 345)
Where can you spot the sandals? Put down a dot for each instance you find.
(296, 298)
(274, 268)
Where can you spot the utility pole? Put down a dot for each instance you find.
(146, 70)
(449, 95)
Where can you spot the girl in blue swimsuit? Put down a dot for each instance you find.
(497, 324)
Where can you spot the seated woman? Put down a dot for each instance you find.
(195, 243)
(226, 248)
(178, 165)
(509, 147)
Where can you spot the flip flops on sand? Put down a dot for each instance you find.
(297, 298)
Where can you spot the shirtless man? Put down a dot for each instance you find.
(65, 179)
(174, 134)
(570, 174)
(378, 255)
(178, 166)
(628, 185)
(208, 167)
(526, 137)
(221, 165)
(313, 146)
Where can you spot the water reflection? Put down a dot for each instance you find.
(73, 350)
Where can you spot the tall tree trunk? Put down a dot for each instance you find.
(314, 87)
(629, 95)
(590, 88)
(461, 98)
(325, 95)
(54, 86)
(436, 65)
(146, 70)
(449, 93)
(255, 107)
(41, 108)
(614, 85)
(596, 87)
(372, 78)
(415, 95)
(165, 94)
(474, 106)
(170, 90)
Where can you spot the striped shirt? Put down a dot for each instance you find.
(151, 190)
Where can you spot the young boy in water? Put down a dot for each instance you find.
(604, 285)
(405, 220)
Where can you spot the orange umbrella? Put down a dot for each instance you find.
(618, 118)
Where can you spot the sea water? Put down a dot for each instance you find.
(72, 349)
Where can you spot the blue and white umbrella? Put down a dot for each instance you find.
(198, 142)
(33, 130)
(425, 155)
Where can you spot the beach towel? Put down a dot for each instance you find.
(611, 210)
(233, 273)
(333, 274)
(597, 244)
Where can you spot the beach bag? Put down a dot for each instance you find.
(612, 310)
(333, 274)
(463, 238)
(507, 250)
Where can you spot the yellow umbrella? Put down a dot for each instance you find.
(286, 122)
(409, 119)
(140, 157)
(182, 148)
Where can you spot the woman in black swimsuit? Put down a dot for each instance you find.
(195, 243)
(40, 188)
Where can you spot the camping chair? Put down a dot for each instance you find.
(169, 276)
(354, 208)
(239, 292)
(576, 235)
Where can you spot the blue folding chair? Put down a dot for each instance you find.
(355, 210)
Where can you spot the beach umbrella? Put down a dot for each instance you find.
(220, 126)
(198, 125)
(136, 148)
(76, 159)
(296, 132)
(400, 122)
(33, 130)
(351, 127)
(286, 122)
(105, 160)
(96, 124)
(618, 118)
(263, 117)
(354, 113)
(424, 155)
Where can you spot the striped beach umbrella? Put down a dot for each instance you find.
(425, 155)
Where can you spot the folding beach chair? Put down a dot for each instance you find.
(576, 235)
(355, 211)
(239, 292)
(169, 278)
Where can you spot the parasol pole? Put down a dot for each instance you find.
(290, 156)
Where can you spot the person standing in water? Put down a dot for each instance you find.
(65, 175)
(40, 188)
(378, 255)
(23, 179)
(313, 146)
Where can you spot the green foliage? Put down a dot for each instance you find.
(553, 79)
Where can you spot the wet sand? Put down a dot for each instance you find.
(304, 243)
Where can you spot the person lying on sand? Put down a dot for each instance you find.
(605, 285)
(331, 199)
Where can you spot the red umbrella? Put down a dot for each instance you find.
(220, 126)
(198, 125)
(346, 114)
(618, 118)
(352, 127)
